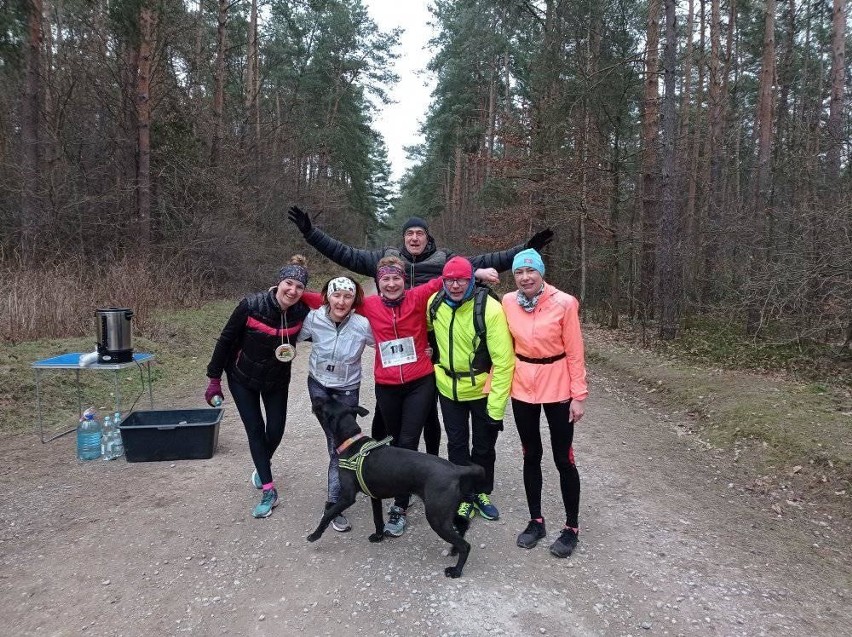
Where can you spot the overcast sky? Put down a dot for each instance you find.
(399, 122)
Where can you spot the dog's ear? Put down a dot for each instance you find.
(361, 411)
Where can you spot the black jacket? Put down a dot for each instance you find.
(420, 269)
(246, 346)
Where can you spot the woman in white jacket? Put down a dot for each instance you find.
(334, 368)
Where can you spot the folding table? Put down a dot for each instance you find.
(72, 362)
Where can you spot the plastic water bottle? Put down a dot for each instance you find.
(89, 437)
(118, 446)
(216, 400)
(107, 438)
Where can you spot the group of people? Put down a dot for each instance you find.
(440, 337)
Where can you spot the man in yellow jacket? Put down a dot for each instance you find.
(473, 373)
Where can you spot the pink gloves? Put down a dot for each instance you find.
(214, 388)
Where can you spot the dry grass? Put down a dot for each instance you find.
(60, 300)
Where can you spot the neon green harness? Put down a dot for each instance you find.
(356, 462)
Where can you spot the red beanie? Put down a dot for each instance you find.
(458, 268)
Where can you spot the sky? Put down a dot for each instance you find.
(399, 122)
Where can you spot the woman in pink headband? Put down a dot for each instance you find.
(405, 376)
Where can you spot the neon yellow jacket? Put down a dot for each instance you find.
(452, 371)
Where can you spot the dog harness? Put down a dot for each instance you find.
(356, 462)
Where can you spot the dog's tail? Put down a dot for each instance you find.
(469, 477)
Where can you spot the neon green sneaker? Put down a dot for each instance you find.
(483, 504)
(466, 510)
(268, 501)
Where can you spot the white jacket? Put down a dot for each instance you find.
(335, 360)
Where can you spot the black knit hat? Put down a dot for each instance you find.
(415, 222)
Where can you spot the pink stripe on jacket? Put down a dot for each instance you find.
(552, 328)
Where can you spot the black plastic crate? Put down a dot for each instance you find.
(171, 434)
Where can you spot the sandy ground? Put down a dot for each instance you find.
(671, 544)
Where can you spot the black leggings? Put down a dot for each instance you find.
(561, 438)
(263, 438)
(405, 409)
(431, 429)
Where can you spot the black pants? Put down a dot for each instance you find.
(431, 429)
(404, 410)
(561, 440)
(349, 397)
(263, 437)
(461, 450)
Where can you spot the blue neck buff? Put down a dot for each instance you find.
(468, 295)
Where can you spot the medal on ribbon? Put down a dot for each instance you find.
(285, 352)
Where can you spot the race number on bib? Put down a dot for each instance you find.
(397, 352)
(331, 373)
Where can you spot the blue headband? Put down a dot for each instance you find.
(528, 258)
(294, 271)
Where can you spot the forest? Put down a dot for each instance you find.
(693, 157)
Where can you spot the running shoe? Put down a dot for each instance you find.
(466, 510)
(268, 501)
(339, 523)
(531, 535)
(565, 543)
(483, 504)
(395, 526)
(255, 480)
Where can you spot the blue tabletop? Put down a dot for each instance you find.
(70, 361)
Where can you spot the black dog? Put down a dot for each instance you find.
(390, 471)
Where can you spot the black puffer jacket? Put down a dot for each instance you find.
(420, 269)
(246, 347)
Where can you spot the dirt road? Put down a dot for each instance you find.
(671, 544)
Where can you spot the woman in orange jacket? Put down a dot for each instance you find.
(550, 372)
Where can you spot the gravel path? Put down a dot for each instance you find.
(670, 544)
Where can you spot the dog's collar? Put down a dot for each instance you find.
(349, 442)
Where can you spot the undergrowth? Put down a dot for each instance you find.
(716, 342)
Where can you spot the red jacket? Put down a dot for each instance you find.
(392, 325)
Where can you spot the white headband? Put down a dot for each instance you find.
(341, 284)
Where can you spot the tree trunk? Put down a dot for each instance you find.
(30, 212)
(732, 66)
(686, 93)
(715, 188)
(195, 76)
(693, 214)
(614, 205)
(219, 83)
(669, 262)
(251, 88)
(786, 75)
(147, 23)
(650, 161)
(838, 81)
(491, 117)
(457, 179)
(762, 180)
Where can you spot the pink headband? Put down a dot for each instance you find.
(389, 269)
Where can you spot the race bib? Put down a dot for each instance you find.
(330, 372)
(397, 352)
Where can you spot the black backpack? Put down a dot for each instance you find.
(481, 358)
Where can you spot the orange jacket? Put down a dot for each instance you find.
(549, 330)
